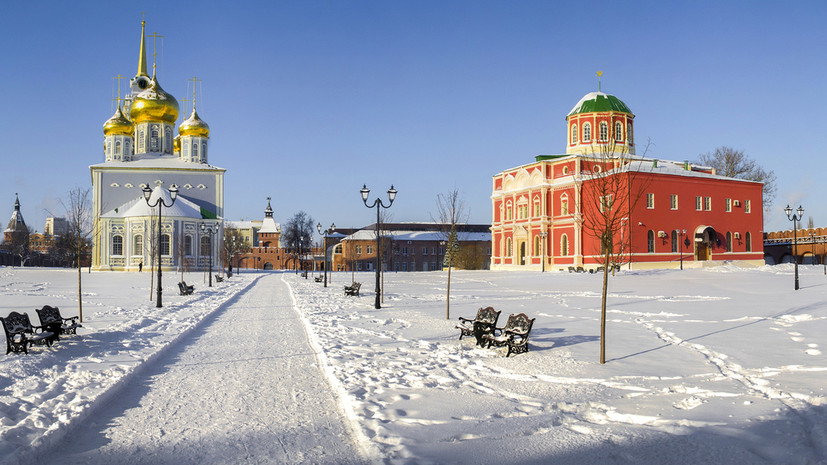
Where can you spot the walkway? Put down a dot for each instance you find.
(230, 393)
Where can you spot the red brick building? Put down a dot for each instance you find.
(682, 212)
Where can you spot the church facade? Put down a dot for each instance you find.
(676, 214)
(141, 150)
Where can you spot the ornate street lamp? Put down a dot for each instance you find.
(159, 202)
(324, 234)
(543, 236)
(378, 204)
(681, 233)
(795, 219)
(209, 231)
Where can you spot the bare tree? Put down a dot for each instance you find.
(234, 243)
(298, 232)
(20, 244)
(80, 228)
(612, 185)
(451, 210)
(735, 164)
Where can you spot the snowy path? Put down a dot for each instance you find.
(229, 393)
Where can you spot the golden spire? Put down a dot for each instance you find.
(194, 80)
(142, 53)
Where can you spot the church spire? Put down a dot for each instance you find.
(142, 53)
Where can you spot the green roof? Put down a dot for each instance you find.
(549, 157)
(599, 102)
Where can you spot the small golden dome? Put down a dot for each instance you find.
(194, 126)
(118, 125)
(176, 144)
(154, 105)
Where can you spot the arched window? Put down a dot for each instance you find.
(165, 244)
(536, 246)
(536, 206)
(338, 248)
(629, 138)
(138, 242)
(650, 241)
(729, 241)
(127, 150)
(168, 139)
(153, 139)
(204, 152)
(141, 140)
(508, 212)
(618, 131)
(604, 131)
(508, 247)
(587, 132)
(674, 241)
(748, 241)
(195, 151)
(564, 204)
(564, 245)
(117, 147)
(205, 246)
(573, 133)
(188, 245)
(117, 245)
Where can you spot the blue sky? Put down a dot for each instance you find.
(307, 101)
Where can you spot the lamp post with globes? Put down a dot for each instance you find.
(324, 234)
(795, 219)
(209, 231)
(159, 202)
(681, 233)
(378, 204)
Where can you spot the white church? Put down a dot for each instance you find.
(140, 151)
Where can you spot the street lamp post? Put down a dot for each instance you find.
(543, 235)
(209, 231)
(795, 219)
(324, 234)
(159, 202)
(378, 204)
(681, 233)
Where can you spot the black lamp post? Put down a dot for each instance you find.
(543, 236)
(159, 202)
(209, 231)
(378, 204)
(324, 245)
(795, 219)
(681, 233)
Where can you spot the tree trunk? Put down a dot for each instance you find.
(603, 307)
(80, 294)
(448, 296)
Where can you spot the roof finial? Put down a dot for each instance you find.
(194, 80)
(599, 73)
(155, 37)
(142, 52)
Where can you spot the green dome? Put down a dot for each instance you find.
(599, 102)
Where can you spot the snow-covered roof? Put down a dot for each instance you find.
(269, 225)
(369, 234)
(155, 161)
(673, 168)
(242, 224)
(182, 208)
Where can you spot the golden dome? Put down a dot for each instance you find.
(118, 125)
(194, 126)
(154, 105)
(176, 144)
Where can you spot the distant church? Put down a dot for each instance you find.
(140, 150)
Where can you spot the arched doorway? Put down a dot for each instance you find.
(808, 259)
(522, 253)
(704, 239)
(268, 266)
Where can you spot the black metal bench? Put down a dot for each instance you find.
(20, 333)
(184, 289)
(318, 279)
(50, 317)
(514, 334)
(353, 289)
(304, 274)
(219, 279)
(483, 323)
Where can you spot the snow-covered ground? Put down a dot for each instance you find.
(716, 365)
